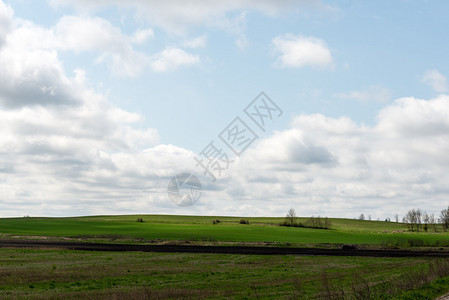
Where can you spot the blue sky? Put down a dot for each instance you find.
(136, 90)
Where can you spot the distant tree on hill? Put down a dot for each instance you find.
(291, 216)
(425, 219)
(362, 217)
(444, 218)
(413, 219)
(418, 219)
(396, 218)
(432, 222)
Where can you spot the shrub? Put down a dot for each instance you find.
(288, 224)
(244, 221)
(216, 221)
(318, 223)
(139, 220)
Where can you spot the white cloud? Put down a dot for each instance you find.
(198, 42)
(95, 34)
(142, 35)
(323, 165)
(66, 150)
(172, 58)
(29, 75)
(412, 117)
(88, 159)
(62, 144)
(437, 81)
(6, 14)
(372, 93)
(176, 15)
(88, 34)
(299, 51)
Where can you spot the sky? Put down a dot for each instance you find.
(103, 102)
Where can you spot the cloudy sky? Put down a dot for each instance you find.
(102, 102)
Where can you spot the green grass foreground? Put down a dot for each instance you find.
(200, 228)
(62, 274)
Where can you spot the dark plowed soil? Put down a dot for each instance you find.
(216, 249)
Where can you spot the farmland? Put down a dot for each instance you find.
(69, 274)
(201, 229)
(57, 273)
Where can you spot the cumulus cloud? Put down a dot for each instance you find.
(31, 72)
(198, 42)
(172, 58)
(142, 35)
(62, 145)
(324, 165)
(6, 14)
(66, 150)
(34, 77)
(436, 80)
(116, 49)
(299, 51)
(372, 93)
(80, 34)
(86, 34)
(177, 15)
(88, 159)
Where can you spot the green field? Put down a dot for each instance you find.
(56, 274)
(195, 228)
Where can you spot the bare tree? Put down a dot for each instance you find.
(432, 222)
(425, 219)
(362, 217)
(291, 216)
(410, 219)
(418, 217)
(444, 218)
(413, 219)
(396, 218)
(405, 220)
(369, 217)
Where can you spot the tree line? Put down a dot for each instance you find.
(417, 219)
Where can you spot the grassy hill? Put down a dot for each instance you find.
(201, 228)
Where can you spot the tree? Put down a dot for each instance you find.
(369, 217)
(409, 219)
(396, 218)
(444, 218)
(425, 219)
(362, 217)
(418, 218)
(413, 219)
(291, 216)
(432, 222)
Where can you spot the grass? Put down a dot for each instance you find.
(428, 291)
(43, 274)
(201, 228)
(69, 274)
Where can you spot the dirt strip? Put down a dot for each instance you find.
(85, 246)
